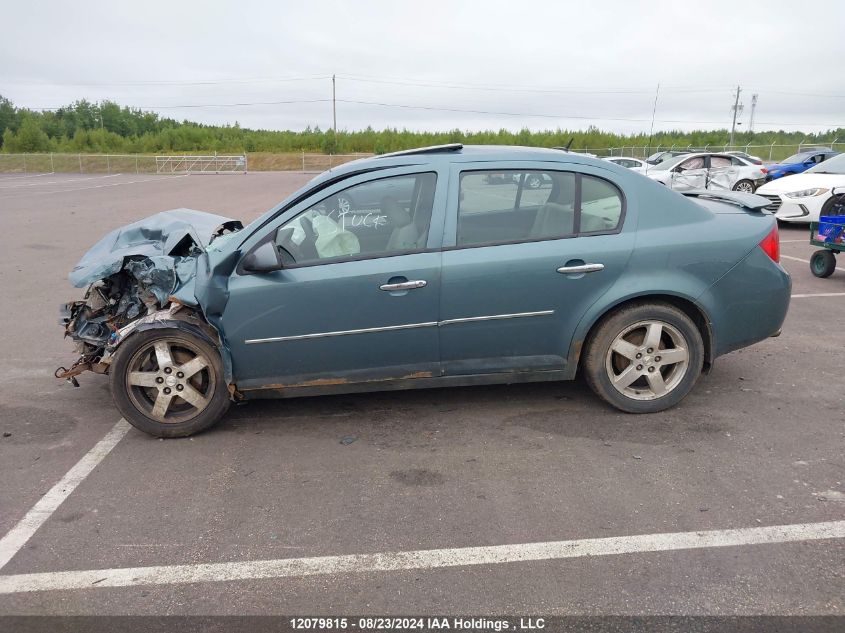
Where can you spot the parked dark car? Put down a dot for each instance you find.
(603, 272)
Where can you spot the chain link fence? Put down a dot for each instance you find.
(120, 164)
(182, 163)
(311, 162)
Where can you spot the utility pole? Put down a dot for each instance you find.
(735, 109)
(334, 108)
(653, 113)
(753, 107)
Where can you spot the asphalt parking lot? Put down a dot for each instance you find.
(758, 443)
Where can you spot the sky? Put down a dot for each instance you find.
(436, 65)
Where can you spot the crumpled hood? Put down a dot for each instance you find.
(166, 238)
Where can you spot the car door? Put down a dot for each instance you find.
(722, 173)
(521, 266)
(689, 174)
(343, 309)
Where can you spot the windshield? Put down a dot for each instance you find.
(835, 165)
(797, 158)
(669, 163)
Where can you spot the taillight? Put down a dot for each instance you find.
(764, 170)
(771, 244)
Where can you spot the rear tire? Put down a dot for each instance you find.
(744, 186)
(644, 358)
(168, 382)
(822, 263)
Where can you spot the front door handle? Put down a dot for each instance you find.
(405, 285)
(581, 268)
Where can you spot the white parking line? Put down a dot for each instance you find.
(806, 261)
(819, 294)
(4, 178)
(40, 183)
(115, 184)
(420, 559)
(41, 511)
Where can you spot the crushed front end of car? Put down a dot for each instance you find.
(139, 274)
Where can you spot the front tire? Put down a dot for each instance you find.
(822, 263)
(168, 382)
(644, 358)
(744, 186)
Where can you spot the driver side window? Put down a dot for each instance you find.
(388, 216)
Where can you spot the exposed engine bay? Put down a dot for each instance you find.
(138, 274)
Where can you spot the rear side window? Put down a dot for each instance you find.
(514, 206)
(601, 205)
(720, 161)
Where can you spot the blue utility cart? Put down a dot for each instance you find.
(829, 234)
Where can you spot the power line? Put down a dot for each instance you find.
(799, 94)
(211, 105)
(174, 82)
(456, 110)
(453, 85)
(563, 116)
(501, 88)
(385, 79)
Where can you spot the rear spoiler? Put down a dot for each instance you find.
(749, 201)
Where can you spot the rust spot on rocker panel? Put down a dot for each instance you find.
(333, 382)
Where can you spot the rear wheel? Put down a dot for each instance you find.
(823, 263)
(534, 181)
(745, 186)
(169, 383)
(644, 358)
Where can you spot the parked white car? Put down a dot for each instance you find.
(804, 197)
(706, 170)
(631, 163)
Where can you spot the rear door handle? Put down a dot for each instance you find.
(581, 268)
(405, 285)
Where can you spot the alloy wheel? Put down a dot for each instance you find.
(647, 360)
(170, 381)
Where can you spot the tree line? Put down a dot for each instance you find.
(107, 127)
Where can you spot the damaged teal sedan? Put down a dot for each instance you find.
(419, 269)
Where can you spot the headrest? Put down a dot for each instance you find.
(395, 213)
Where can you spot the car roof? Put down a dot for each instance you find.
(457, 153)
